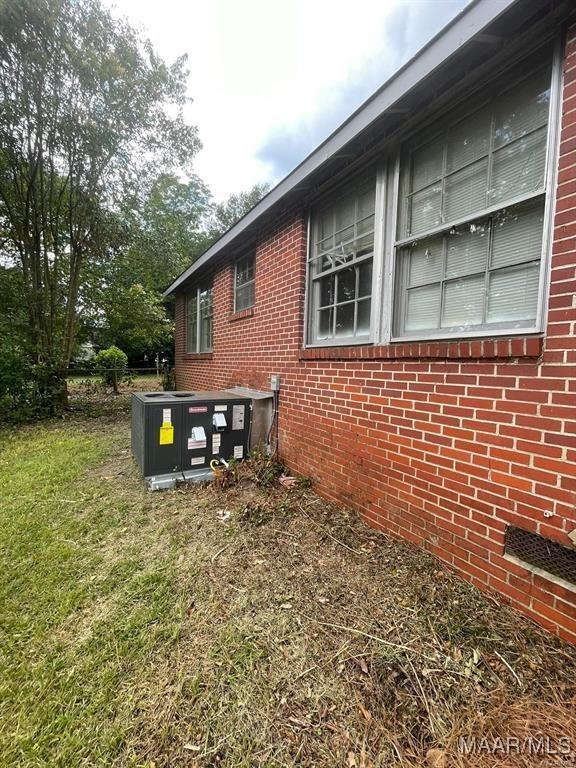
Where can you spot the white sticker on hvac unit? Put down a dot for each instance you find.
(197, 460)
(220, 407)
(237, 417)
(238, 451)
(216, 441)
(197, 439)
(167, 415)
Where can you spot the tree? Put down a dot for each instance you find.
(156, 239)
(226, 214)
(135, 319)
(168, 230)
(13, 317)
(88, 113)
(151, 241)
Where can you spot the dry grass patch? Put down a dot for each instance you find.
(311, 640)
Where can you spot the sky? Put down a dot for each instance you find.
(270, 80)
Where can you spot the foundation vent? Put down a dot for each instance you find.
(542, 553)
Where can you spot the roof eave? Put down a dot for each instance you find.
(471, 21)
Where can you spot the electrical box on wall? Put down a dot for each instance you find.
(175, 435)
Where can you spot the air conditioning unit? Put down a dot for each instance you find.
(175, 435)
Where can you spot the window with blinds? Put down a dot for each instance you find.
(340, 266)
(471, 218)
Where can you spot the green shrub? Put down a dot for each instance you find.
(112, 364)
(28, 390)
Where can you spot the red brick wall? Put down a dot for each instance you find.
(442, 443)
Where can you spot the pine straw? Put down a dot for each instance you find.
(310, 640)
(533, 723)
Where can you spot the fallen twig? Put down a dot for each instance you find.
(216, 554)
(503, 660)
(327, 533)
(286, 533)
(322, 664)
(381, 640)
(424, 697)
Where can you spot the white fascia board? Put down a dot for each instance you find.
(460, 31)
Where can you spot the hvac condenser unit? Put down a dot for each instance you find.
(175, 435)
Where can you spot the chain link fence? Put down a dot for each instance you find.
(153, 378)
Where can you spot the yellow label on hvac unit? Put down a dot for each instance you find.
(166, 433)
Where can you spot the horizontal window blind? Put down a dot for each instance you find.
(471, 218)
(474, 275)
(493, 156)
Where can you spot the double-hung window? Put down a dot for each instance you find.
(199, 312)
(471, 218)
(340, 264)
(244, 283)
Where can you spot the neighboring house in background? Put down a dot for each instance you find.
(86, 352)
(413, 284)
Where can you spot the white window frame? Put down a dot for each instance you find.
(386, 241)
(547, 192)
(375, 305)
(252, 257)
(195, 293)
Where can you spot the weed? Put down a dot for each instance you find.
(254, 514)
(264, 468)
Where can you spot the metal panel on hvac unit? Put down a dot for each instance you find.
(151, 413)
(214, 427)
(262, 414)
(175, 435)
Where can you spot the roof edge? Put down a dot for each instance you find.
(475, 17)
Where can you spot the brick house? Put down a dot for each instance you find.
(413, 284)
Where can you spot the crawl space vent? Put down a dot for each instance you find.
(542, 553)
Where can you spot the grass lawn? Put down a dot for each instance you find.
(248, 627)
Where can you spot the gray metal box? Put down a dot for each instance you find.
(262, 414)
(179, 433)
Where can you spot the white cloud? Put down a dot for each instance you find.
(271, 80)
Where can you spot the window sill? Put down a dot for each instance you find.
(233, 316)
(525, 346)
(197, 355)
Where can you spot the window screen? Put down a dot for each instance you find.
(471, 218)
(340, 266)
